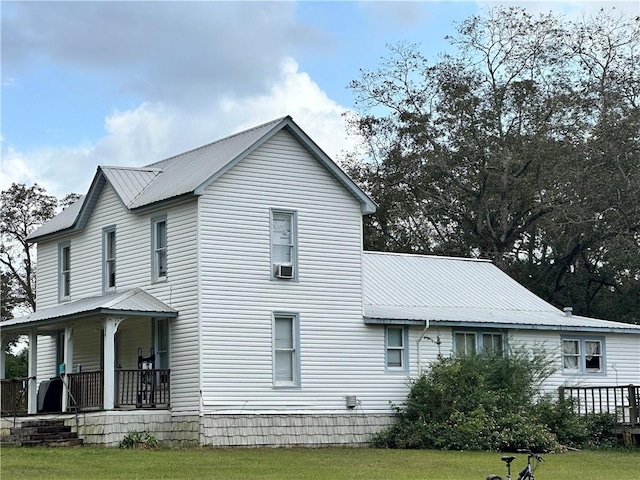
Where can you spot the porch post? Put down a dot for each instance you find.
(4, 341)
(68, 365)
(110, 328)
(32, 394)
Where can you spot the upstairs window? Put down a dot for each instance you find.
(159, 248)
(109, 256)
(283, 245)
(583, 355)
(396, 351)
(64, 271)
(286, 363)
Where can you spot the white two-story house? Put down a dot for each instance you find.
(222, 297)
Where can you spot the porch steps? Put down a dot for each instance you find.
(42, 433)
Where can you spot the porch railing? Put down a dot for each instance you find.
(14, 398)
(133, 389)
(621, 401)
(85, 390)
(143, 388)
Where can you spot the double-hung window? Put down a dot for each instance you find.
(283, 244)
(64, 271)
(159, 248)
(396, 348)
(286, 355)
(467, 343)
(583, 355)
(109, 258)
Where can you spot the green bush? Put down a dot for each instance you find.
(488, 402)
(143, 440)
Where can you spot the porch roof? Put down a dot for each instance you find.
(134, 302)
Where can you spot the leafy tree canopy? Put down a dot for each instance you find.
(521, 146)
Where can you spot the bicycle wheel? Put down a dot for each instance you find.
(494, 477)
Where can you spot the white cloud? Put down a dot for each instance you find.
(155, 130)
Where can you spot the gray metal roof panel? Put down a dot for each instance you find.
(129, 183)
(134, 302)
(431, 281)
(457, 291)
(186, 172)
(62, 221)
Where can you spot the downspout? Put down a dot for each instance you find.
(424, 332)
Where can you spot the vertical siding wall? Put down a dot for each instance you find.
(133, 251)
(339, 355)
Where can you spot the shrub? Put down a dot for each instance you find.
(143, 440)
(488, 402)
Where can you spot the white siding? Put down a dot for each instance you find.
(621, 359)
(133, 269)
(339, 354)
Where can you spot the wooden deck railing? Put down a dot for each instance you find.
(143, 388)
(85, 390)
(14, 398)
(621, 401)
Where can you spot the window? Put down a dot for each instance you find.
(583, 355)
(286, 366)
(161, 342)
(396, 351)
(473, 342)
(109, 256)
(64, 271)
(283, 245)
(159, 249)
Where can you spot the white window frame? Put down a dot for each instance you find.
(293, 350)
(403, 349)
(109, 262)
(64, 271)
(582, 355)
(161, 341)
(274, 213)
(478, 340)
(157, 250)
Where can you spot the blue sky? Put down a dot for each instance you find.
(128, 83)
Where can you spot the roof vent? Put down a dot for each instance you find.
(567, 311)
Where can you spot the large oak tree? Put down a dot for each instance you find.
(521, 146)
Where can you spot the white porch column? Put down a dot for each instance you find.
(4, 341)
(110, 328)
(68, 365)
(33, 371)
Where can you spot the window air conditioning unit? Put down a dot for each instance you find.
(284, 271)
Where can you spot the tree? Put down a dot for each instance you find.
(522, 146)
(23, 210)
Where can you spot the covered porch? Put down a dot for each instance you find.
(100, 353)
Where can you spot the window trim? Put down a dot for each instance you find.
(582, 355)
(62, 246)
(106, 231)
(295, 335)
(405, 349)
(294, 240)
(163, 356)
(478, 333)
(155, 277)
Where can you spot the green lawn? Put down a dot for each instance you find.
(300, 464)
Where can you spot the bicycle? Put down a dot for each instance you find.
(527, 472)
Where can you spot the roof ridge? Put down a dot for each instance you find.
(428, 255)
(243, 132)
(140, 169)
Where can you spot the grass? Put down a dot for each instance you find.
(300, 464)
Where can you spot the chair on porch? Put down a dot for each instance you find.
(146, 383)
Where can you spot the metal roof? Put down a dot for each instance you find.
(189, 174)
(134, 302)
(451, 291)
(130, 183)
